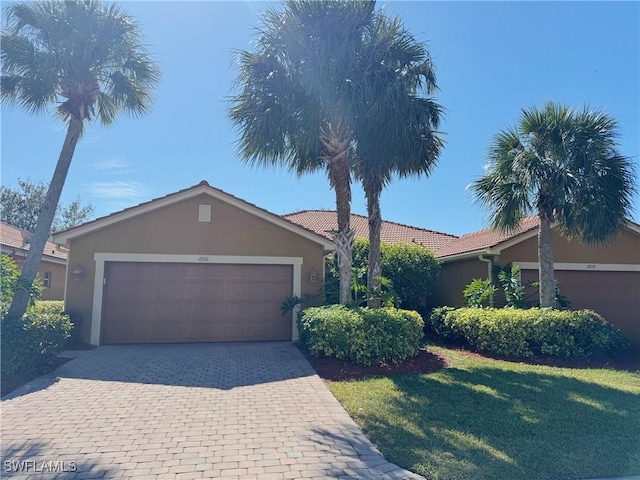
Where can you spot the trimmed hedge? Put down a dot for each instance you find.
(542, 332)
(363, 335)
(34, 341)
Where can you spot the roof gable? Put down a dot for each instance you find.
(324, 221)
(11, 240)
(492, 239)
(203, 187)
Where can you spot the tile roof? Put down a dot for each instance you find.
(11, 239)
(322, 221)
(484, 239)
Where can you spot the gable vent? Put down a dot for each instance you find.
(204, 213)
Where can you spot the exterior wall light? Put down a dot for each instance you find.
(313, 276)
(78, 273)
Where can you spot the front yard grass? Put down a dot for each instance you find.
(488, 419)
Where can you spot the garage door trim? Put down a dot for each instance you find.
(101, 258)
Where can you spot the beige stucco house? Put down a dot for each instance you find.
(15, 243)
(603, 278)
(198, 265)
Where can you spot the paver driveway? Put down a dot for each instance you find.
(236, 411)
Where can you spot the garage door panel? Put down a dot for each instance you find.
(280, 290)
(237, 291)
(151, 303)
(236, 312)
(193, 271)
(193, 291)
(614, 295)
(168, 292)
(215, 272)
(236, 272)
(260, 273)
(214, 291)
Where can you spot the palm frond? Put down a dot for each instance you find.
(74, 54)
(562, 164)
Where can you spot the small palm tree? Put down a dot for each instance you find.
(563, 166)
(88, 59)
(397, 132)
(295, 107)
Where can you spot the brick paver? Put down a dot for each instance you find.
(228, 411)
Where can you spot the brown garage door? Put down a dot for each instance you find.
(614, 295)
(186, 302)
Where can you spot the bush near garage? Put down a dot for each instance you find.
(539, 332)
(361, 335)
(32, 343)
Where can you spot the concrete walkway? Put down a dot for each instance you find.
(227, 411)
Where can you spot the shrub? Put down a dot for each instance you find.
(478, 292)
(9, 277)
(362, 335)
(413, 270)
(33, 341)
(514, 292)
(409, 272)
(541, 332)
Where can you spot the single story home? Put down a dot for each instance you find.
(198, 265)
(15, 243)
(604, 278)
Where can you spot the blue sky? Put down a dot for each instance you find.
(491, 58)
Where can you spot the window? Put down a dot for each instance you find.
(46, 280)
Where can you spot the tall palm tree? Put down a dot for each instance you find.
(397, 126)
(88, 59)
(563, 166)
(295, 106)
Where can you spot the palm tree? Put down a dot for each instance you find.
(563, 166)
(86, 58)
(295, 107)
(398, 125)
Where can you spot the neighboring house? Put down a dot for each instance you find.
(15, 243)
(603, 278)
(198, 265)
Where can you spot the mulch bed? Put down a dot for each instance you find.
(11, 383)
(332, 369)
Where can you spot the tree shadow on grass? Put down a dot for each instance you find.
(492, 423)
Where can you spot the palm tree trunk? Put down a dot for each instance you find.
(373, 191)
(336, 142)
(20, 299)
(545, 259)
(341, 180)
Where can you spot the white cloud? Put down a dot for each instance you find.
(115, 165)
(116, 190)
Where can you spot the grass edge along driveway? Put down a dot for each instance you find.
(491, 419)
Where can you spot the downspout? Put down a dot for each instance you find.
(489, 262)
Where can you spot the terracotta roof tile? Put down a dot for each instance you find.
(11, 237)
(323, 221)
(484, 239)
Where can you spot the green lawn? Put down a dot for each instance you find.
(488, 419)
